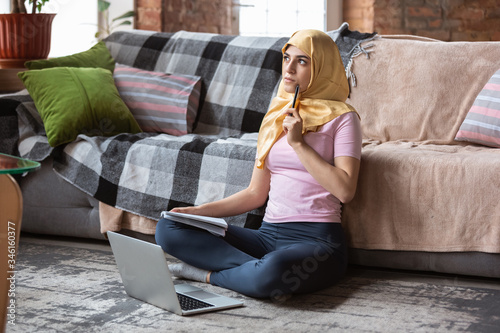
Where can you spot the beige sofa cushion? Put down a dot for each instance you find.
(426, 197)
(420, 89)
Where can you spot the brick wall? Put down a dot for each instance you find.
(359, 14)
(448, 20)
(192, 15)
(149, 14)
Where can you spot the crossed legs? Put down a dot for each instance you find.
(273, 261)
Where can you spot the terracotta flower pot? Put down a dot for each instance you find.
(24, 37)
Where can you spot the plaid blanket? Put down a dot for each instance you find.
(239, 74)
(147, 173)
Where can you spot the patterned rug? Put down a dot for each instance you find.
(71, 288)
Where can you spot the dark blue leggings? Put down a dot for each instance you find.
(276, 260)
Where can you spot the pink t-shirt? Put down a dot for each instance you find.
(295, 196)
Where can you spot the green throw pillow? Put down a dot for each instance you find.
(98, 56)
(74, 101)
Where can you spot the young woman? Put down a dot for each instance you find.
(307, 164)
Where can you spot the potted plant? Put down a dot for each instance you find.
(24, 36)
(105, 27)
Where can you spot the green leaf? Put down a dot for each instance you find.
(130, 13)
(103, 5)
(39, 4)
(125, 23)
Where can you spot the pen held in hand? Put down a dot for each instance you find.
(295, 98)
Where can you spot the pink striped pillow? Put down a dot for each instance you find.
(159, 102)
(482, 124)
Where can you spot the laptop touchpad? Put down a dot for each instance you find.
(200, 294)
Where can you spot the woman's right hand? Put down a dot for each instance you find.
(195, 210)
(292, 126)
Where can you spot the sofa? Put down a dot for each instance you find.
(427, 196)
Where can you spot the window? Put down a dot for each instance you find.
(75, 25)
(280, 17)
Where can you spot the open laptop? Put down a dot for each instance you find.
(145, 275)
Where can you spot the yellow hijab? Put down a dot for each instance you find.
(322, 101)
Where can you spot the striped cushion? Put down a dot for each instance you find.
(160, 102)
(482, 124)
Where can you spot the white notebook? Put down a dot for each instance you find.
(215, 225)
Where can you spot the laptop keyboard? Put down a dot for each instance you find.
(189, 303)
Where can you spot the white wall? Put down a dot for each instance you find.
(4, 6)
(73, 27)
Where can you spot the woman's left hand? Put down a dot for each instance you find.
(292, 126)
